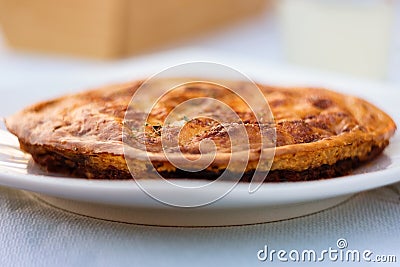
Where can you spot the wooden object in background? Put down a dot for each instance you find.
(113, 28)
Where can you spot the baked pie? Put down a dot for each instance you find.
(318, 133)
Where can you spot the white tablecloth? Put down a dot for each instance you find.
(35, 234)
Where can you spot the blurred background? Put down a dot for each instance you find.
(44, 42)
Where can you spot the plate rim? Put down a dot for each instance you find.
(88, 189)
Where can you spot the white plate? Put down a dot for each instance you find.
(125, 201)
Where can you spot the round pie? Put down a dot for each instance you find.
(318, 133)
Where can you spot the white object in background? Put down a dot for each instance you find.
(346, 36)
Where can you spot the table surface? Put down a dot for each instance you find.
(36, 234)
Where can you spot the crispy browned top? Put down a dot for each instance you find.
(306, 119)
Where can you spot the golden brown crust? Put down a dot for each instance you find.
(314, 127)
